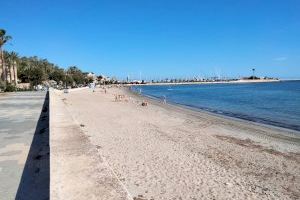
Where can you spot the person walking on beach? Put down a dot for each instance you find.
(164, 99)
(92, 86)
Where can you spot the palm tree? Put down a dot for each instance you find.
(14, 58)
(3, 39)
(7, 66)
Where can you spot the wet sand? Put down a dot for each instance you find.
(168, 152)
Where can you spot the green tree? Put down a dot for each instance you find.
(77, 75)
(57, 75)
(35, 70)
(69, 80)
(3, 39)
(14, 57)
(11, 59)
(37, 76)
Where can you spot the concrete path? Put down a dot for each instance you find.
(23, 143)
(77, 169)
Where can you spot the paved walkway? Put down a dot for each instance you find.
(20, 119)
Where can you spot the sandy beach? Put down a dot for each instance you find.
(168, 152)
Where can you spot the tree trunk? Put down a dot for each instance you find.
(15, 72)
(10, 72)
(1, 70)
(3, 65)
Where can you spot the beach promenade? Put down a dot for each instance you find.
(107, 149)
(24, 149)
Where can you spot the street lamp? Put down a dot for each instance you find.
(253, 73)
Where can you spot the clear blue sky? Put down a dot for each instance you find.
(159, 38)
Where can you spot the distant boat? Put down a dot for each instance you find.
(170, 88)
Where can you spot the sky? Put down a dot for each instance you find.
(159, 38)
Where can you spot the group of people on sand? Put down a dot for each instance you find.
(122, 97)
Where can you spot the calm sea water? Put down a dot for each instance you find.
(276, 103)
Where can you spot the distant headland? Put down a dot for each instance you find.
(251, 79)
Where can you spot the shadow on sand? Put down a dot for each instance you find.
(35, 180)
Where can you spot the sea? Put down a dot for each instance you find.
(272, 103)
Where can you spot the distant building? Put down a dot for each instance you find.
(105, 79)
(92, 76)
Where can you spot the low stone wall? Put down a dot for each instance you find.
(24, 85)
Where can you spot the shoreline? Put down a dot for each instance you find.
(223, 114)
(288, 133)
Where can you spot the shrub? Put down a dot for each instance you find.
(2, 85)
(10, 88)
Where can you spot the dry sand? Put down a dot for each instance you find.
(168, 152)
